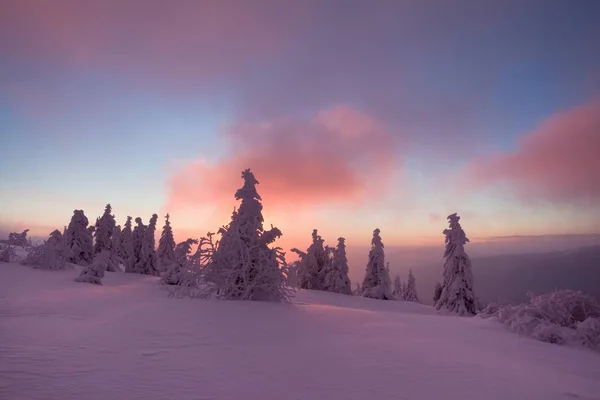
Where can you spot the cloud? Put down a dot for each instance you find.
(558, 162)
(146, 40)
(341, 156)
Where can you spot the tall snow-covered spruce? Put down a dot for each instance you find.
(104, 229)
(377, 283)
(147, 261)
(410, 293)
(242, 266)
(457, 287)
(79, 239)
(166, 245)
(313, 264)
(336, 279)
(126, 247)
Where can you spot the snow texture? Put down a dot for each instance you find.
(457, 287)
(126, 340)
(377, 283)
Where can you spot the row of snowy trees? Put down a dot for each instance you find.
(241, 264)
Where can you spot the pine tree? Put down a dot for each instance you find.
(313, 264)
(166, 245)
(457, 287)
(173, 274)
(377, 283)
(126, 248)
(137, 238)
(336, 279)
(437, 292)
(116, 240)
(398, 290)
(411, 289)
(104, 229)
(79, 239)
(241, 265)
(147, 263)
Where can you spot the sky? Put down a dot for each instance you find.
(353, 115)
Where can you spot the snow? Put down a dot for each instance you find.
(128, 340)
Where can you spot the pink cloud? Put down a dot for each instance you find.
(558, 162)
(341, 156)
(146, 40)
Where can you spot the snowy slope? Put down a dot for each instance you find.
(126, 340)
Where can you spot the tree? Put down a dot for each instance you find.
(398, 289)
(147, 263)
(411, 289)
(166, 245)
(377, 283)
(173, 274)
(18, 239)
(336, 279)
(137, 238)
(126, 247)
(103, 231)
(457, 287)
(437, 292)
(241, 265)
(313, 264)
(95, 272)
(79, 239)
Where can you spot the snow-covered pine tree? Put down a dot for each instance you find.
(173, 273)
(457, 287)
(137, 238)
(411, 289)
(313, 264)
(377, 283)
(147, 262)
(437, 292)
(95, 272)
(116, 240)
(336, 279)
(55, 254)
(104, 228)
(241, 265)
(398, 290)
(79, 239)
(166, 245)
(126, 247)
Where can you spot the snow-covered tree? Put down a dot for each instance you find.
(137, 238)
(95, 272)
(313, 264)
(411, 289)
(53, 254)
(147, 263)
(103, 232)
(8, 254)
(126, 247)
(241, 265)
(398, 289)
(437, 292)
(336, 278)
(174, 272)
(457, 287)
(116, 240)
(377, 283)
(18, 239)
(166, 245)
(79, 239)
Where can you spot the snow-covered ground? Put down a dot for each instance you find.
(127, 340)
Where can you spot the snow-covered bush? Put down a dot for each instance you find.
(588, 333)
(174, 274)
(557, 317)
(35, 256)
(8, 254)
(95, 272)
